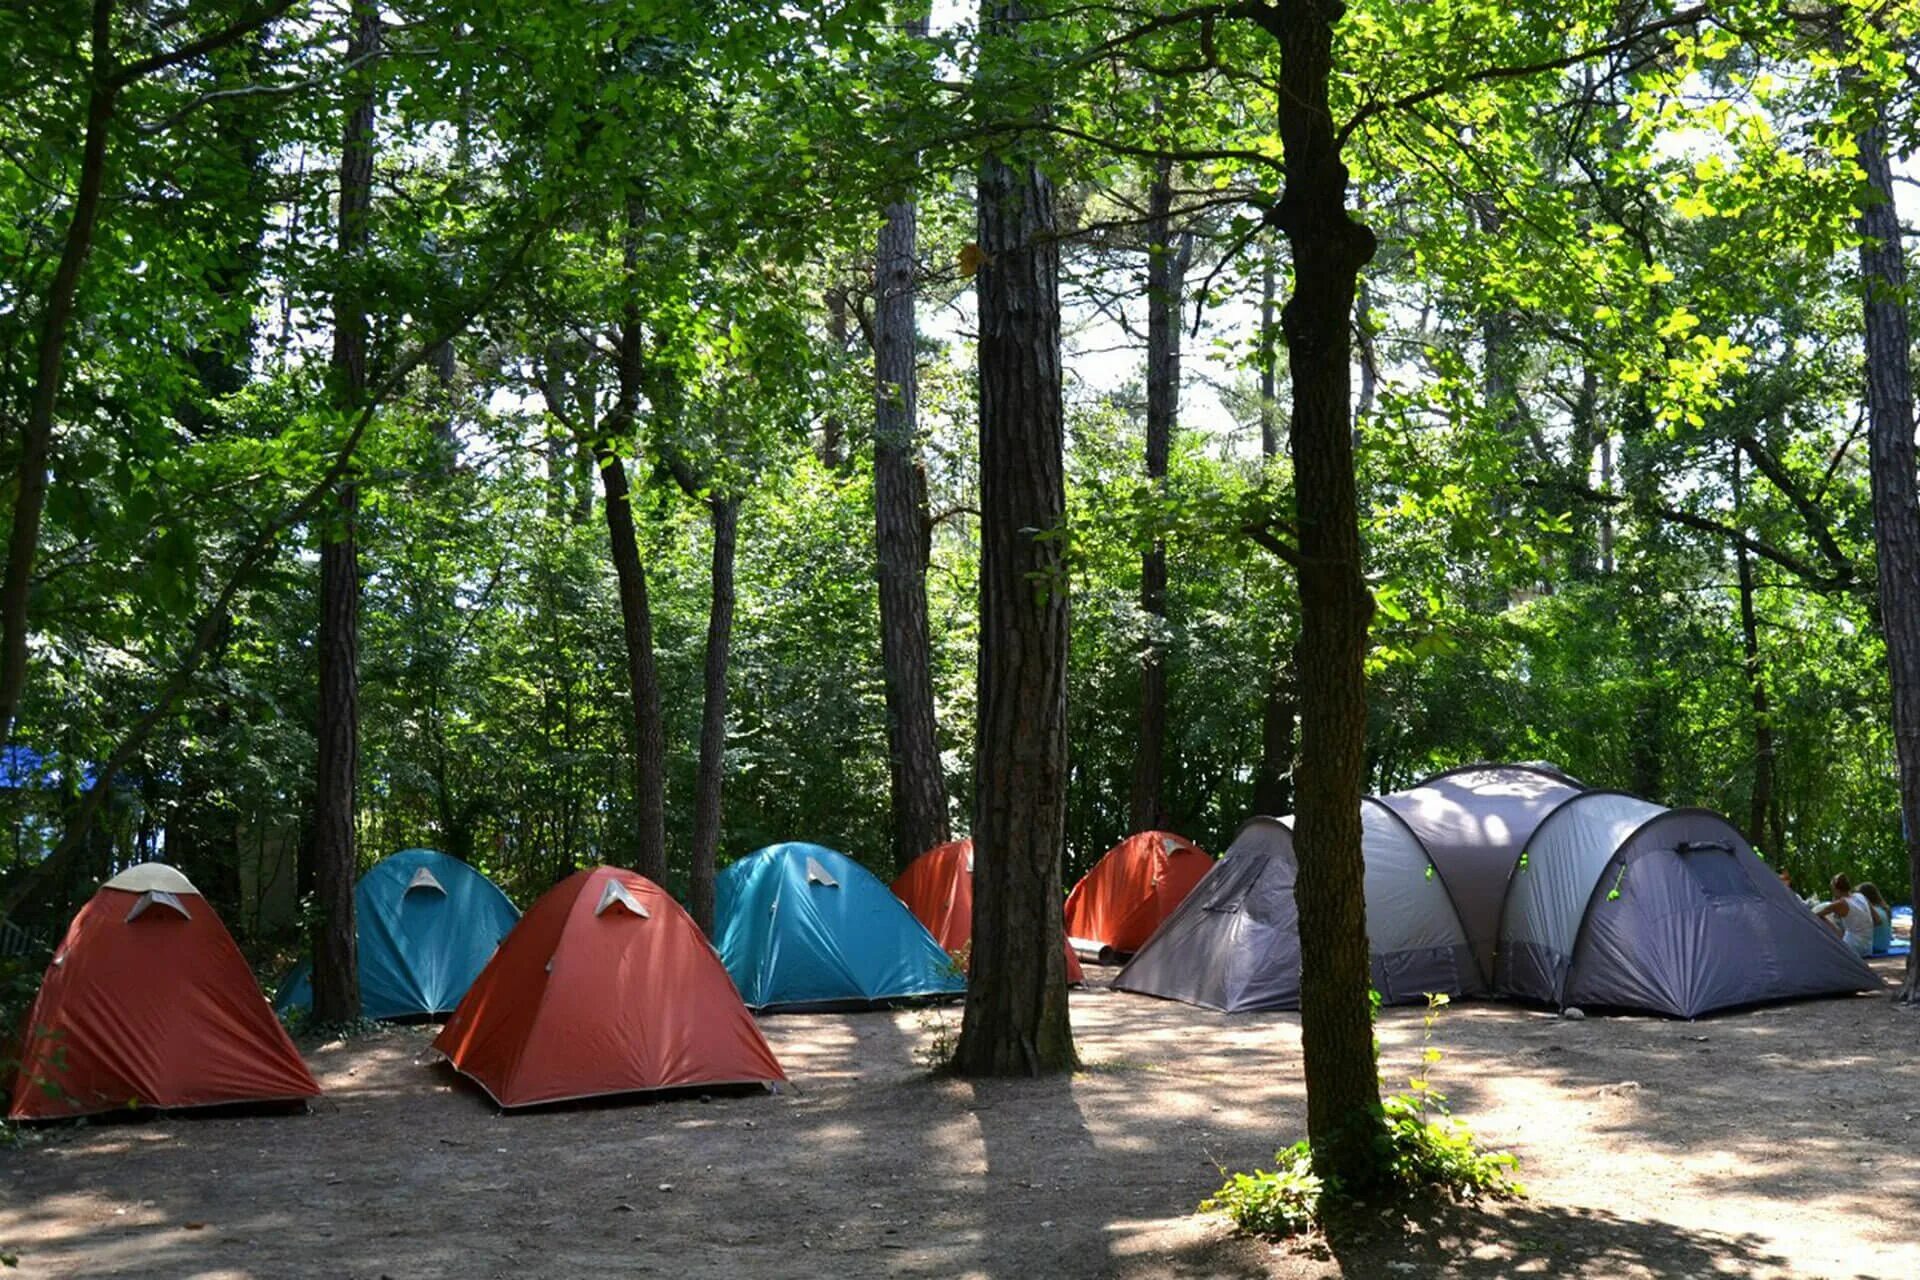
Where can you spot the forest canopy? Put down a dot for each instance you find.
(553, 328)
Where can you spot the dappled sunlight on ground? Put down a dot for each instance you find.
(1760, 1143)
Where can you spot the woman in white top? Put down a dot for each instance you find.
(1850, 913)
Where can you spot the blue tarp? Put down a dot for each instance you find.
(427, 925)
(801, 925)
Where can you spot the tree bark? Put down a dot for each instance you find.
(36, 430)
(901, 547)
(1166, 283)
(336, 978)
(1329, 250)
(1016, 1013)
(1896, 501)
(1760, 799)
(725, 515)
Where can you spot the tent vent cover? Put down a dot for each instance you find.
(817, 874)
(157, 897)
(423, 879)
(613, 891)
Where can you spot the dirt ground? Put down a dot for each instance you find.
(1764, 1143)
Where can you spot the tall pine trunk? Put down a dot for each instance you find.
(643, 676)
(725, 516)
(336, 979)
(1273, 776)
(1166, 282)
(901, 545)
(1760, 800)
(1896, 501)
(1016, 1020)
(636, 612)
(1329, 250)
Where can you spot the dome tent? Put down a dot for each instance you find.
(803, 927)
(1234, 944)
(937, 887)
(606, 987)
(1622, 904)
(1138, 883)
(149, 1003)
(427, 924)
(1532, 874)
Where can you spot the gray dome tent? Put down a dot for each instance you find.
(1623, 904)
(1464, 898)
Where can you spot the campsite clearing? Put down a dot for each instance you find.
(1759, 1143)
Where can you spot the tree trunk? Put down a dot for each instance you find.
(336, 978)
(36, 431)
(725, 514)
(833, 430)
(1273, 782)
(643, 676)
(1761, 797)
(901, 546)
(1896, 504)
(636, 613)
(1329, 249)
(1273, 779)
(1166, 283)
(1016, 1019)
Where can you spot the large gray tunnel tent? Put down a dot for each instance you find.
(1488, 880)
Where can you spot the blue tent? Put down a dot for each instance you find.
(428, 924)
(802, 926)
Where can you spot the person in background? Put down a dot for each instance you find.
(1882, 913)
(1849, 913)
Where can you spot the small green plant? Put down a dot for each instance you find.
(1282, 1201)
(941, 1037)
(1424, 1151)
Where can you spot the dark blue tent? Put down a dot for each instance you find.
(427, 924)
(802, 926)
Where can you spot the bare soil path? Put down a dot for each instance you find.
(1777, 1142)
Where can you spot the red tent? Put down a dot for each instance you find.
(605, 986)
(937, 887)
(1116, 906)
(149, 1003)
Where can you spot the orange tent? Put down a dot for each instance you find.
(605, 986)
(1116, 906)
(937, 887)
(148, 1003)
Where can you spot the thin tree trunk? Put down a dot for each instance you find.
(833, 429)
(636, 612)
(1273, 778)
(1761, 797)
(1016, 1013)
(1896, 503)
(36, 431)
(901, 547)
(1166, 282)
(1329, 250)
(1273, 782)
(336, 979)
(725, 514)
(643, 676)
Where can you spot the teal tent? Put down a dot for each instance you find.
(427, 925)
(801, 926)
